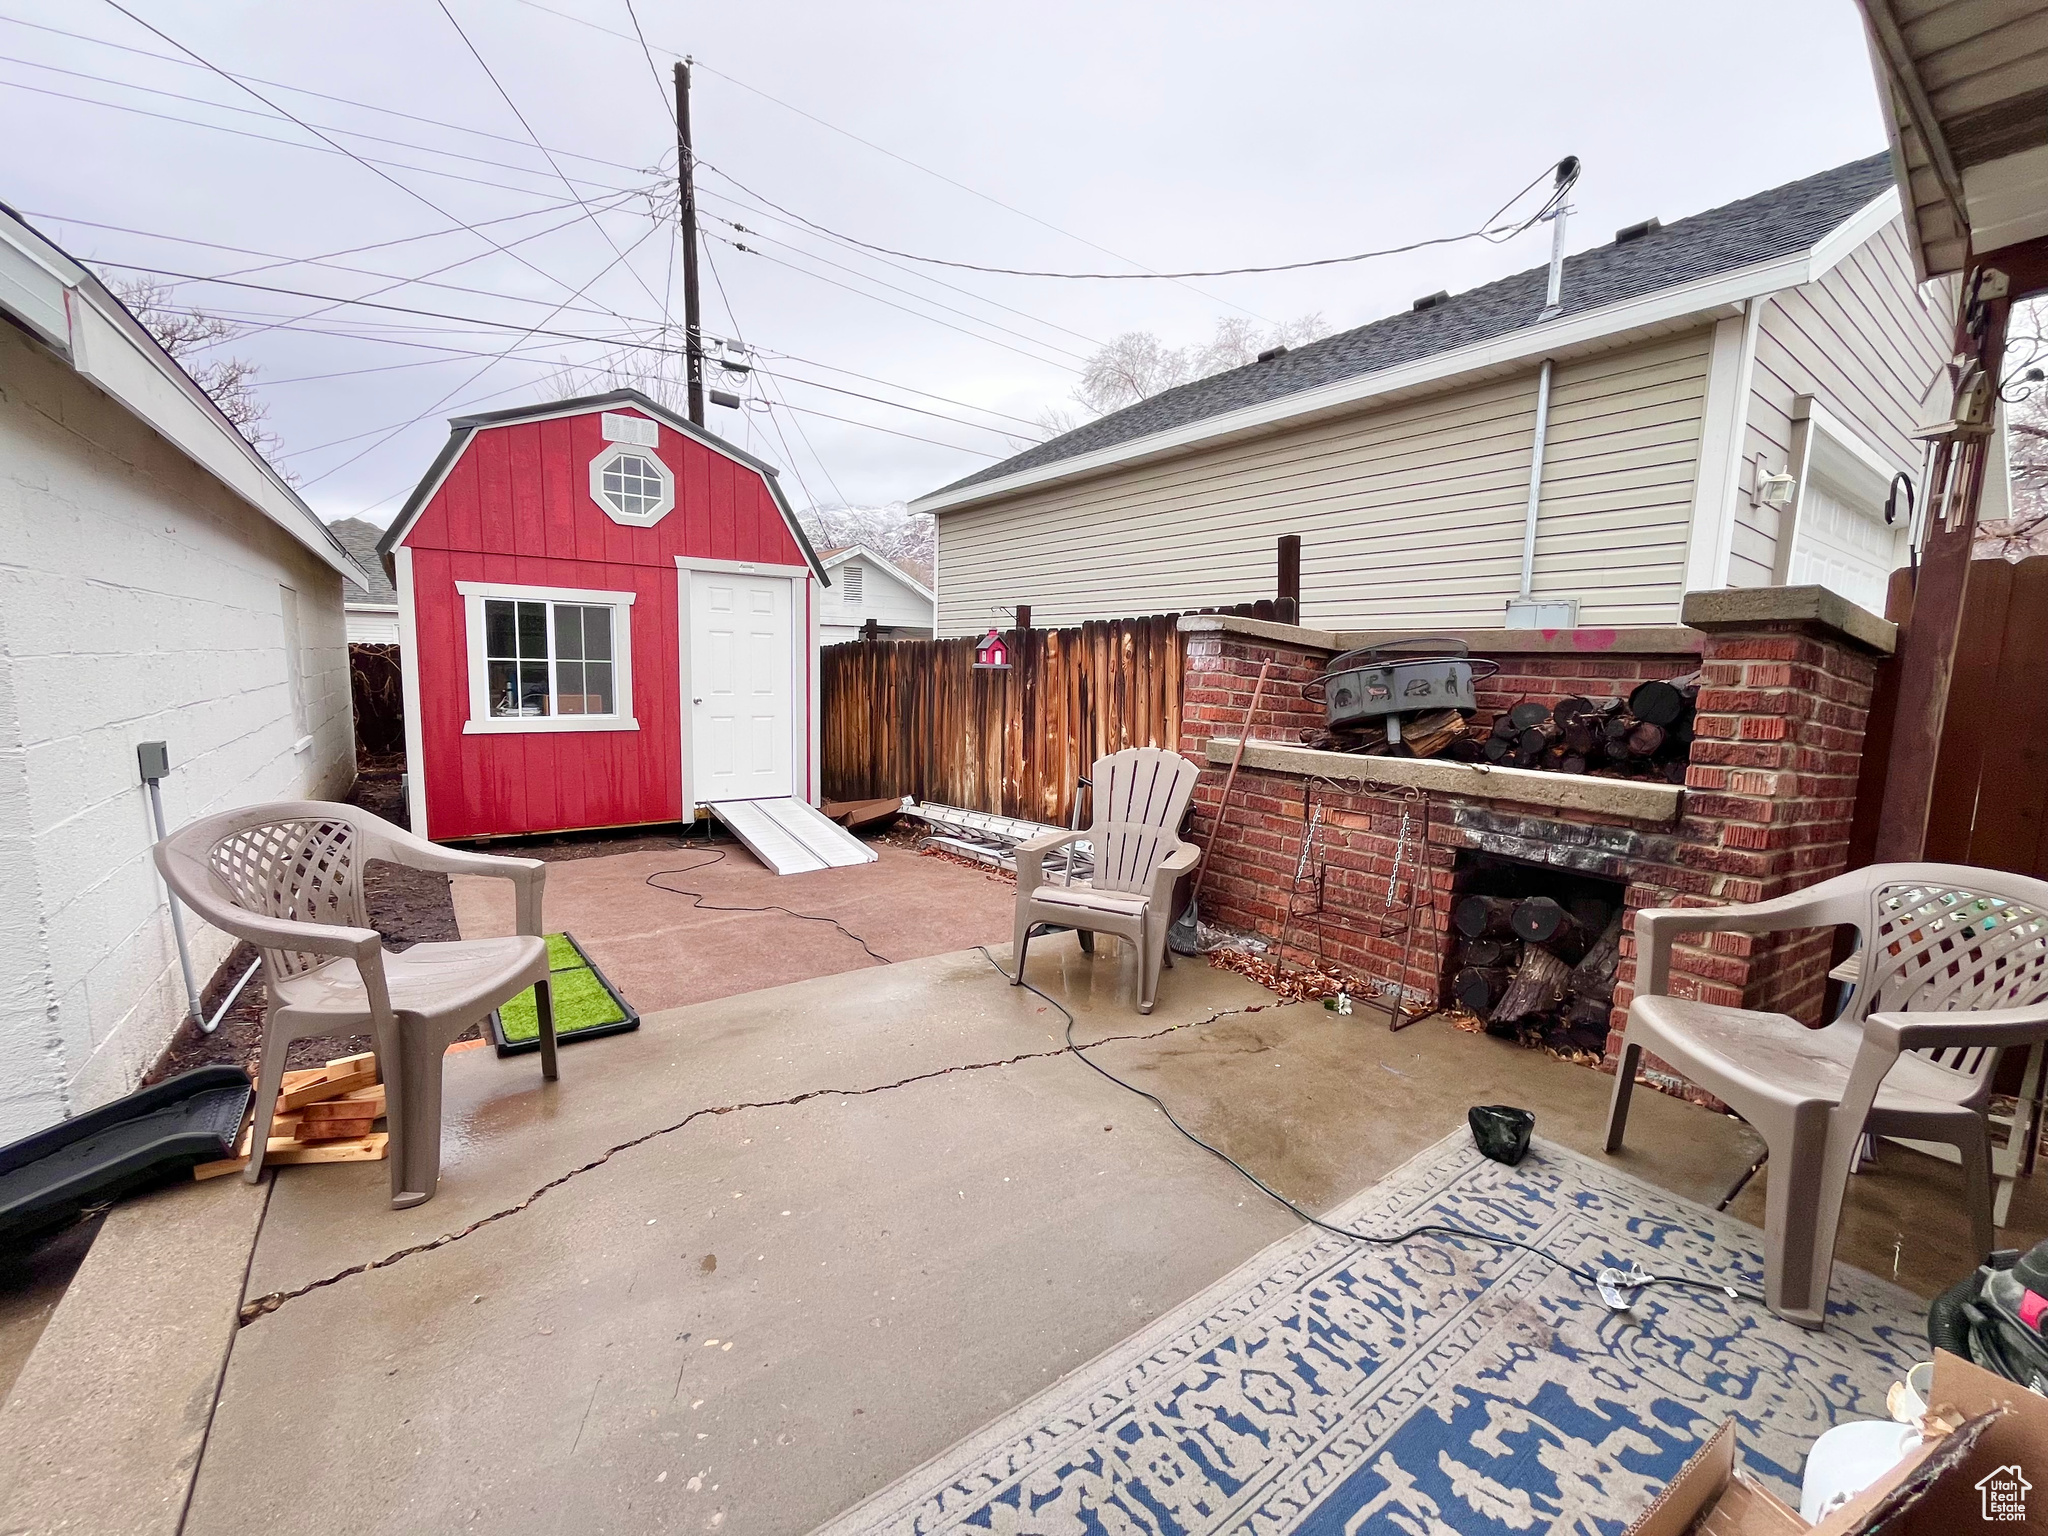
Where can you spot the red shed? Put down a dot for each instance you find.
(609, 618)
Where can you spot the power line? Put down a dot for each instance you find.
(1482, 232)
(568, 185)
(276, 260)
(877, 298)
(296, 90)
(905, 159)
(487, 367)
(411, 192)
(980, 298)
(849, 421)
(893, 288)
(221, 106)
(264, 138)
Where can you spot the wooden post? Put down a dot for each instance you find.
(1954, 487)
(1288, 609)
(1027, 758)
(871, 630)
(686, 214)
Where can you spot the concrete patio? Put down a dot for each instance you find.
(790, 1245)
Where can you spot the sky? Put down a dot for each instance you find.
(490, 175)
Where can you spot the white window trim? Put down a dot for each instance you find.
(610, 456)
(482, 723)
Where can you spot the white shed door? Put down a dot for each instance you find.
(1843, 544)
(741, 661)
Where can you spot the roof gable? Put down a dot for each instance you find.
(882, 563)
(360, 540)
(1757, 230)
(462, 430)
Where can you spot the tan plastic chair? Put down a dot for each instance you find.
(1140, 796)
(1955, 969)
(288, 878)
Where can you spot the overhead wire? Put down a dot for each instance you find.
(466, 384)
(1484, 231)
(221, 106)
(891, 303)
(381, 174)
(546, 154)
(296, 90)
(895, 288)
(893, 155)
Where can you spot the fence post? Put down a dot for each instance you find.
(1288, 609)
(1026, 757)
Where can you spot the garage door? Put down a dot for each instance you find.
(1842, 543)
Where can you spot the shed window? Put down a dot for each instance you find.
(632, 485)
(545, 658)
(528, 677)
(850, 584)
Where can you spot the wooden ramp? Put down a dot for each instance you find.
(791, 837)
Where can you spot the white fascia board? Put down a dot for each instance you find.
(369, 607)
(63, 304)
(1851, 235)
(1709, 299)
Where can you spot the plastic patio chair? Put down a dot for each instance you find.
(1956, 969)
(288, 878)
(1140, 796)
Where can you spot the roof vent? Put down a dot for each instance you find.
(1432, 300)
(1270, 353)
(1637, 231)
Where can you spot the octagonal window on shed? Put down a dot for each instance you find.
(632, 485)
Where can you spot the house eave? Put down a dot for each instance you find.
(63, 305)
(1665, 312)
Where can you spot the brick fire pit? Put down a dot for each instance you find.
(1787, 675)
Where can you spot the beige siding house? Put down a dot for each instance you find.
(1781, 335)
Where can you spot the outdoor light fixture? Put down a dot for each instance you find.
(1774, 488)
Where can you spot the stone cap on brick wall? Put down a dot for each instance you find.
(1813, 610)
(1625, 799)
(1587, 640)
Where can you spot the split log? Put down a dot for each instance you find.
(1489, 917)
(1541, 921)
(1593, 976)
(1503, 728)
(1569, 712)
(1427, 735)
(1646, 739)
(1478, 987)
(1538, 986)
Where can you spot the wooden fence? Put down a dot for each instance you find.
(915, 717)
(1991, 772)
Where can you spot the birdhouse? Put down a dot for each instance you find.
(992, 653)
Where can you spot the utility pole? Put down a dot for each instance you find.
(686, 213)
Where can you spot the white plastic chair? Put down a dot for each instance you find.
(288, 878)
(1140, 795)
(1955, 970)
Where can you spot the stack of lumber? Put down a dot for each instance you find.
(1434, 733)
(1537, 970)
(1648, 737)
(324, 1115)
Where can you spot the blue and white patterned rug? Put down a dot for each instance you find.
(1440, 1388)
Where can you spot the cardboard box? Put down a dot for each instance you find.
(1985, 1469)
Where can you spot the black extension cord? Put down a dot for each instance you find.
(1583, 1276)
(702, 904)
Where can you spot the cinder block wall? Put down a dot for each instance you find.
(139, 600)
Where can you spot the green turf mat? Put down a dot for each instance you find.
(585, 1003)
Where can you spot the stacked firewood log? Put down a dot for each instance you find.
(1647, 737)
(1537, 970)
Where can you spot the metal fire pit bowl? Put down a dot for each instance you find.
(1401, 677)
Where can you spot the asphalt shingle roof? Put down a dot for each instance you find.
(1765, 227)
(360, 540)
